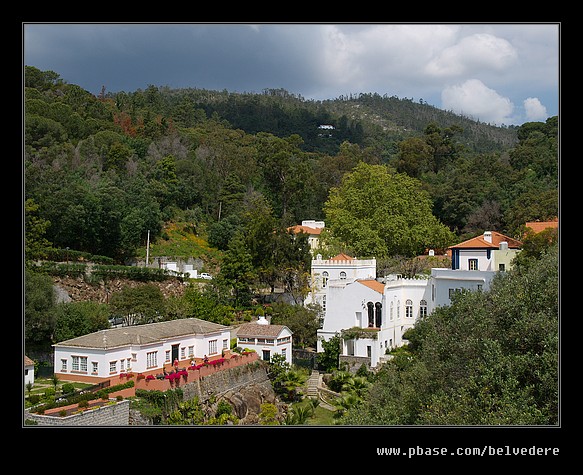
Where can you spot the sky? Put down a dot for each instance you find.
(498, 73)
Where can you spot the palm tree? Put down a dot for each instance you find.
(55, 381)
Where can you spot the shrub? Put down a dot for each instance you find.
(67, 388)
(82, 404)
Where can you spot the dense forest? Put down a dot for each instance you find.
(104, 170)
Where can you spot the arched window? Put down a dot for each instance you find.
(324, 279)
(409, 308)
(422, 308)
(370, 307)
(378, 314)
(342, 275)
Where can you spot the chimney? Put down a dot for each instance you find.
(503, 246)
(488, 236)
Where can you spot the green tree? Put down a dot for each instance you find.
(303, 321)
(36, 246)
(377, 212)
(73, 319)
(237, 271)
(329, 359)
(490, 358)
(39, 303)
(144, 303)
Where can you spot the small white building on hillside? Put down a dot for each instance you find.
(266, 339)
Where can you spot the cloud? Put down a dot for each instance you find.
(474, 99)
(534, 110)
(478, 52)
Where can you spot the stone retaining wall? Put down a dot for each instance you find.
(110, 415)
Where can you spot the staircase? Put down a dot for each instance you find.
(313, 382)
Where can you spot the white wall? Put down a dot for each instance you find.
(28, 375)
(346, 308)
(139, 364)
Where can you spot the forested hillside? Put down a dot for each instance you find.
(102, 171)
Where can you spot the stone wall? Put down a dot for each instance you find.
(109, 415)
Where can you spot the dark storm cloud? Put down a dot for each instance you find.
(128, 57)
(496, 73)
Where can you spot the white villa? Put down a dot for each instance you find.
(266, 339)
(99, 356)
(341, 268)
(352, 298)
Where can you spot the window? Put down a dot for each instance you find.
(423, 308)
(152, 359)
(409, 308)
(323, 303)
(63, 366)
(225, 344)
(370, 307)
(266, 355)
(212, 347)
(182, 353)
(79, 363)
(452, 291)
(94, 367)
(134, 356)
(284, 353)
(398, 309)
(191, 350)
(368, 350)
(342, 275)
(324, 279)
(391, 312)
(378, 314)
(122, 365)
(473, 264)
(501, 267)
(113, 366)
(167, 357)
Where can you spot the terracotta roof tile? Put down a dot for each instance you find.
(480, 243)
(342, 257)
(298, 228)
(373, 284)
(28, 361)
(538, 226)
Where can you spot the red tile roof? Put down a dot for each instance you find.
(480, 243)
(538, 226)
(298, 228)
(342, 257)
(373, 284)
(28, 361)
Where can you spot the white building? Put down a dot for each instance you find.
(266, 339)
(100, 355)
(387, 310)
(28, 371)
(341, 268)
